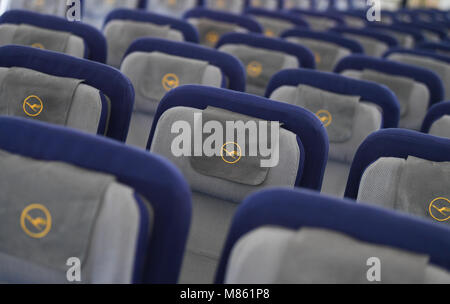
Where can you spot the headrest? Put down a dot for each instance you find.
(435, 113)
(422, 53)
(435, 47)
(94, 40)
(295, 209)
(152, 177)
(418, 36)
(427, 77)
(104, 78)
(294, 119)
(339, 20)
(370, 33)
(229, 65)
(368, 91)
(397, 143)
(51, 7)
(427, 27)
(349, 44)
(304, 55)
(281, 15)
(188, 31)
(242, 21)
(257, 4)
(172, 8)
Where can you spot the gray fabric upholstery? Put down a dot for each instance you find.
(141, 67)
(266, 4)
(86, 106)
(175, 8)
(439, 67)
(51, 7)
(327, 54)
(441, 127)
(372, 47)
(354, 22)
(72, 45)
(415, 98)
(232, 6)
(215, 199)
(210, 31)
(120, 34)
(93, 218)
(288, 4)
(273, 27)
(95, 11)
(261, 65)
(335, 178)
(320, 24)
(413, 186)
(272, 255)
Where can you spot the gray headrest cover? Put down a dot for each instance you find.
(423, 189)
(260, 64)
(234, 6)
(31, 94)
(273, 27)
(336, 111)
(401, 86)
(210, 31)
(47, 209)
(41, 38)
(327, 257)
(326, 54)
(240, 157)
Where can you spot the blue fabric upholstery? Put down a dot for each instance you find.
(369, 91)
(306, 125)
(281, 15)
(351, 45)
(418, 36)
(423, 53)
(360, 62)
(294, 209)
(240, 20)
(229, 65)
(427, 27)
(94, 40)
(152, 177)
(304, 55)
(106, 79)
(329, 15)
(189, 32)
(397, 143)
(435, 46)
(367, 32)
(436, 112)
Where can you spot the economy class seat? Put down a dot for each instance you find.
(354, 18)
(437, 121)
(319, 21)
(123, 26)
(174, 8)
(220, 183)
(263, 57)
(275, 23)
(404, 170)
(68, 194)
(211, 25)
(374, 43)
(328, 48)
(156, 66)
(440, 64)
(52, 33)
(95, 11)
(64, 90)
(417, 89)
(238, 6)
(282, 236)
(50, 7)
(407, 37)
(349, 109)
(442, 48)
(431, 32)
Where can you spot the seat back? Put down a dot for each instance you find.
(116, 227)
(64, 90)
(52, 33)
(50, 7)
(350, 110)
(223, 172)
(416, 88)
(211, 25)
(328, 48)
(406, 37)
(238, 6)
(122, 27)
(409, 173)
(172, 8)
(439, 64)
(319, 21)
(95, 11)
(437, 120)
(284, 236)
(439, 48)
(156, 66)
(264, 57)
(275, 23)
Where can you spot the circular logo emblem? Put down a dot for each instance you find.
(325, 117)
(269, 33)
(36, 221)
(33, 106)
(172, 2)
(440, 209)
(254, 69)
(38, 46)
(317, 57)
(212, 37)
(170, 81)
(231, 153)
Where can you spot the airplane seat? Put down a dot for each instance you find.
(407, 37)
(64, 90)
(437, 120)
(416, 88)
(50, 7)
(174, 8)
(282, 236)
(110, 213)
(223, 171)
(95, 11)
(319, 21)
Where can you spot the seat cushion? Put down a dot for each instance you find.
(441, 127)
